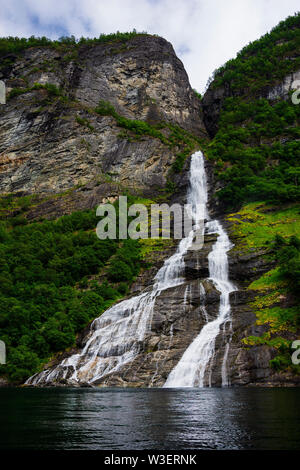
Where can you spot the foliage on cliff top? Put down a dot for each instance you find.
(265, 60)
(15, 45)
(257, 146)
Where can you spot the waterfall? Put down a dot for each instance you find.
(116, 336)
(190, 370)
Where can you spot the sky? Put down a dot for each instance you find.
(204, 33)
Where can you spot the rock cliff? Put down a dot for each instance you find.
(51, 139)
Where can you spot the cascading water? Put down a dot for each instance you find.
(190, 370)
(117, 334)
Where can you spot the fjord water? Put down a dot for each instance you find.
(171, 419)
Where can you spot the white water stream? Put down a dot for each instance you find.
(190, 370)
(117, 334)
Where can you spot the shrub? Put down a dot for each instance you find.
(43, 266)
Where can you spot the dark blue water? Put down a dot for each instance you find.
(131, 419)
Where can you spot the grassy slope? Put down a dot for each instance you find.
(253, 228)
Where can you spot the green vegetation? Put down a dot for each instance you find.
(152, 245)
(256, 152)
(57, 276)
(199, 96)
(269, 280)
(49, 289)
(264, 60)
(11, 202)
(53, 91)
(282, 360)
(257, 148)
(14, 45)
(125, 264)
(258, 226)
(179, 137)
(138, 128)
(287, 254)
(85, 122)
(282, 323)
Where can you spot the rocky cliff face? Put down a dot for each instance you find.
(50, 143)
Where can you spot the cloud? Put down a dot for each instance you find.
(204, 33)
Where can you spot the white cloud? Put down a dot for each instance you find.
(204, 33)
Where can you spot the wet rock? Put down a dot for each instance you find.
(196, 262)
(4, 383)
(246, 267)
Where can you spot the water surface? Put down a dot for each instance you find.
(128, 419)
